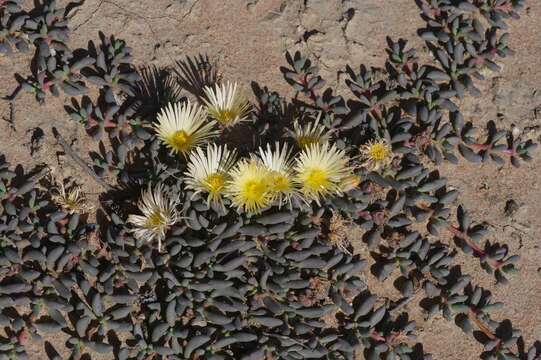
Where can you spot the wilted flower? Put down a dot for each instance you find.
(280, 163)
(376, 154)
(208, 171)
(225, 104)
(184, 126)
(339, 228)
(322, 170)
(159, 214)
(250, 186)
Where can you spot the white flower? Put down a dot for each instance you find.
(208, 171)
(309, 134)
(71, 199)
(225, 104)
(280, 163)
(183, 126)
(159, 214)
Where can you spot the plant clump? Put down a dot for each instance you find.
(215, 248)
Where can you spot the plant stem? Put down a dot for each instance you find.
(476, 249)
(69, 151)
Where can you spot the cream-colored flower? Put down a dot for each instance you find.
(250, 187)
(184, 126)
(280, 164)
(208, 171)
(376, 155)
(225, 104)
(309, 134)
(351, 182)
(322, 171)
(159, 214)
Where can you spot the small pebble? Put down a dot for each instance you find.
(515, 131)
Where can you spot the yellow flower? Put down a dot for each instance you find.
(225, 104)
(208, 171)
(309, 134)
(250, 187)
(280, 164)
(183, 126)
(159, 214)
(376, 154)
(322, 171)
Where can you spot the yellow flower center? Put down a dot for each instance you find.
(225, 116)
(305, 141)
(180, 141)
(71, 203)
(156, 219)
(215, 183)
(280, 183)
(378, 152)
(255, 190)
(316, 179)
(69, 198)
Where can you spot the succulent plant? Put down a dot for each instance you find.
(283, 281)
(11, 27)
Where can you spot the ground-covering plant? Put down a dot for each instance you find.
(227, 233)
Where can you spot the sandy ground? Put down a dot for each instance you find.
(248, 39)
